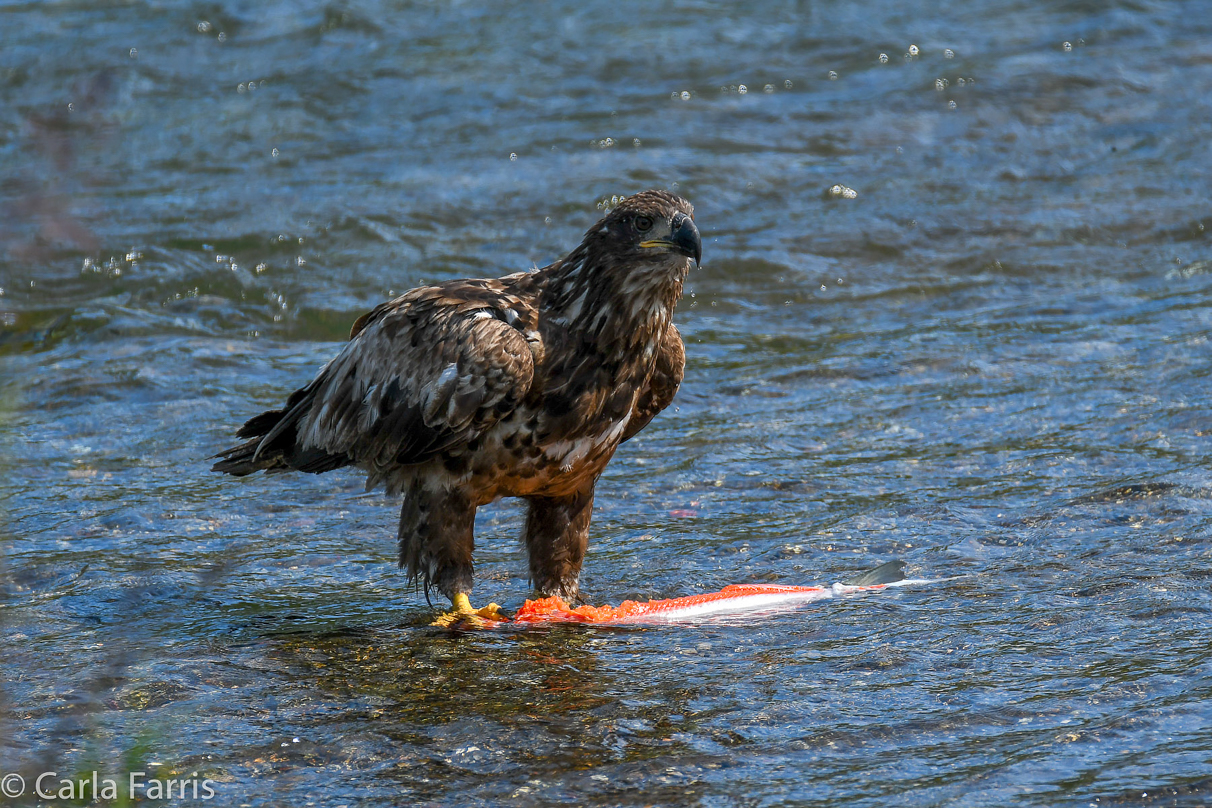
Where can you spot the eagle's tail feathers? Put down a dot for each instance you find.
(241, 460)
(259, 425)
(282, 423)
(272, 444)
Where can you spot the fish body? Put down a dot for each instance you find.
(731, 600)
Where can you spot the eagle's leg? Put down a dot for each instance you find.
(436, 545)
(557, 534)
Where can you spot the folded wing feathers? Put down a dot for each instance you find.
(384, 402)
(438, 396)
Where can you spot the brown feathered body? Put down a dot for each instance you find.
(524, 386)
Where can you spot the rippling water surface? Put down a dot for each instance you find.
(993, 363)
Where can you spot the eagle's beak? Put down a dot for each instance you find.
(684, 239)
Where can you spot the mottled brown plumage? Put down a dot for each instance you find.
(524, 386)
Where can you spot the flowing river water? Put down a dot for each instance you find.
(985, 352)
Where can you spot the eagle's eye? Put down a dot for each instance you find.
(643, 223)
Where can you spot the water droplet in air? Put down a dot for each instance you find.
(1068, 46)
(635, 141)
(203, 27)
(960, 82)
(950, 105)
(948, 53)
(71, 107)
(134, 53)
(222, 37)
(787, 84)
(275, 153)
(769, 88)
(513, 157)
(685, 95)
(252, 85)
(241, 88)
(742, 89)
(913, 50)
(883, 58)
(833, 75)
(940, 84)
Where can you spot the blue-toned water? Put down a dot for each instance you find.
(992, 362)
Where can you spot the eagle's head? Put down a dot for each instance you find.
(626, 276)
(653, 227)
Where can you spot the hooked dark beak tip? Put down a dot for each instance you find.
(686, 236)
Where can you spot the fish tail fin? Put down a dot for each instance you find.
(888, 573)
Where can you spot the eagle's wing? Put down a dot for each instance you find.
(421, 375)
(663, 386)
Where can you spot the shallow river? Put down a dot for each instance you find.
(991, 361)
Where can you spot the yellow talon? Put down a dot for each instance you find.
(461, 615)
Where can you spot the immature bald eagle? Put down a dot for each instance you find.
(523, 386)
